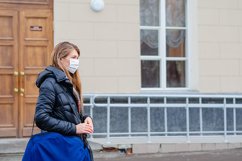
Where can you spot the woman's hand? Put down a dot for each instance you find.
(88, 120)
(84, 128)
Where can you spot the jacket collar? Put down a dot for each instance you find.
(54, 72)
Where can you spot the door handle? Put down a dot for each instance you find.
(22, 73)
(21, 90)
(15, 73)
(15, 90)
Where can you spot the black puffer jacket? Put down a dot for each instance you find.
(56, 109)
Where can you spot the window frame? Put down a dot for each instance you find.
(191, 54)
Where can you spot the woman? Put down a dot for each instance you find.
(59, 107)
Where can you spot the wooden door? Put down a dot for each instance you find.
(8, 73)
(35, 47)
(26, 41)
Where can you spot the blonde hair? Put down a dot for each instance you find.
(60, 51)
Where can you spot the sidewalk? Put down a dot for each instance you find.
(218, 155)
(221, 155)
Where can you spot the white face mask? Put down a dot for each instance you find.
(74, 64)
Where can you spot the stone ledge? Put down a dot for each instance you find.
(145, 148)
(182, 147)
(12, 145)
(17, 146)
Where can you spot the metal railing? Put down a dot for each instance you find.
(165, 116)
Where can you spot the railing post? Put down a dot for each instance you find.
(129, 116)
(91, 111)
(234, 116)
(108, 121)
(165, 115)
(148, 119)
(187, 121)
(200, 116)
(225, 122)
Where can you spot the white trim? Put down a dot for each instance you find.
(159, 90)
(178, 28)
(150, 27)
(192, 39)
(176, 58)
(150, 58)
(162, 44)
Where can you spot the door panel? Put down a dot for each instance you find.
(35, 48)
(6, 25)
(36, 56)
(6, 55)
(8, 67)
(30, 87)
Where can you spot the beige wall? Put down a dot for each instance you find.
(109, 43)
(108, 40)
(220, 45)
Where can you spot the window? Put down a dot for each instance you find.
(163, 44)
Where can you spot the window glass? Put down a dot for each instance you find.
(149, 12)
(175, 13)
(175, 43)
(175, 74)
(149, 42)
(150, 73)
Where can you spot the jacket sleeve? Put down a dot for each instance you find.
(45, 106)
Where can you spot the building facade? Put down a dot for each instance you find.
(111, 51)
(156, 67)
(131, 47)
